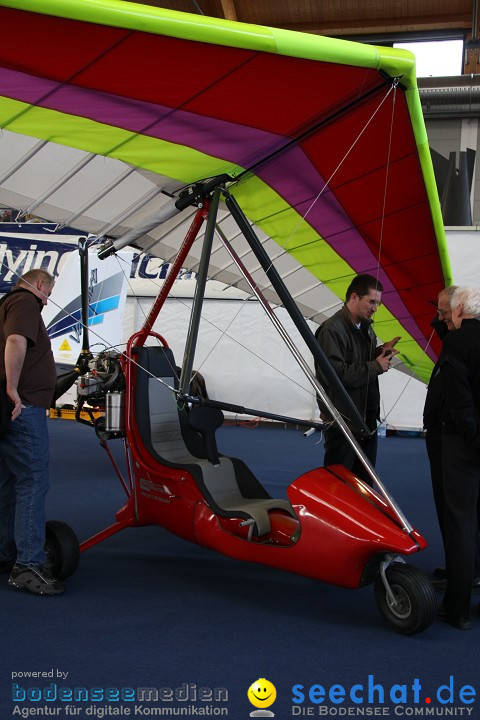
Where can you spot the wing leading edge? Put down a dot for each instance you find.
(325, 140)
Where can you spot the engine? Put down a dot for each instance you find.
(103, 388)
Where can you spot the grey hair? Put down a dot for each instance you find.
(469, 298)
(448, 291)
(31, 277)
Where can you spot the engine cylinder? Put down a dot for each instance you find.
(115, 411)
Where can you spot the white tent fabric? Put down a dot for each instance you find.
(403, 396)
(241, 356)
(464, 251)
(244, 361)
(107, 198)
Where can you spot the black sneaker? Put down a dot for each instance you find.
(36, 579)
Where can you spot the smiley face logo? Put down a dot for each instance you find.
(262, 693)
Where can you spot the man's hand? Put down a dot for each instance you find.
(391, 344)
(387, 354)
(385, 358)
(15, 349)
(15, 400)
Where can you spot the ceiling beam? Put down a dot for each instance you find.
(229, 9)
(368, 26)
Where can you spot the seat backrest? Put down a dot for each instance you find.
(165, 429)
(162, 424)
(158, 420)
(152, 363)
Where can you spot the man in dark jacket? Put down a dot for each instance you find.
(348, 341)
(460, 377)
(26, 361)
(432, 422)
(433, 412)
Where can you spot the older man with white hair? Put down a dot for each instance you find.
(460, 376)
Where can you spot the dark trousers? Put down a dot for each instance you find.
(338, 451)
(433, 441)
(461, 478)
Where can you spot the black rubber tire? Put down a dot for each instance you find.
(417, 604)
(62, 548)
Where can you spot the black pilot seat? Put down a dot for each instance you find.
(229, 487)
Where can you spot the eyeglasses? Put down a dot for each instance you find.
(444, 313)
(371, 301)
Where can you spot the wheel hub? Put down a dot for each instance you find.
(401, 607)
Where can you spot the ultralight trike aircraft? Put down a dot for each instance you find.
(333, 527)
(307, 160)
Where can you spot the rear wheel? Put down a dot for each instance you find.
(62, 548)
(413, 607)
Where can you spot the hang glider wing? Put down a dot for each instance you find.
(108, 107)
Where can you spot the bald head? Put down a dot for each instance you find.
(39, 282)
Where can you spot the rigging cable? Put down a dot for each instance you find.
(224, 333)
(382, 225)
(332, 175)
(303, 218)
(93, 332)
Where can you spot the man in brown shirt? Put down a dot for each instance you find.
(26, 360)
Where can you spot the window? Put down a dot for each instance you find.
(436, 59)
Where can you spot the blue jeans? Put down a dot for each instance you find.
(24, 482)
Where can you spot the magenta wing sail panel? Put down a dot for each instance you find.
(324, 138)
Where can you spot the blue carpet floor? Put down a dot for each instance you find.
(146, 609)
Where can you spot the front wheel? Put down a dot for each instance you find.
(62, 549)
(414, 606)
